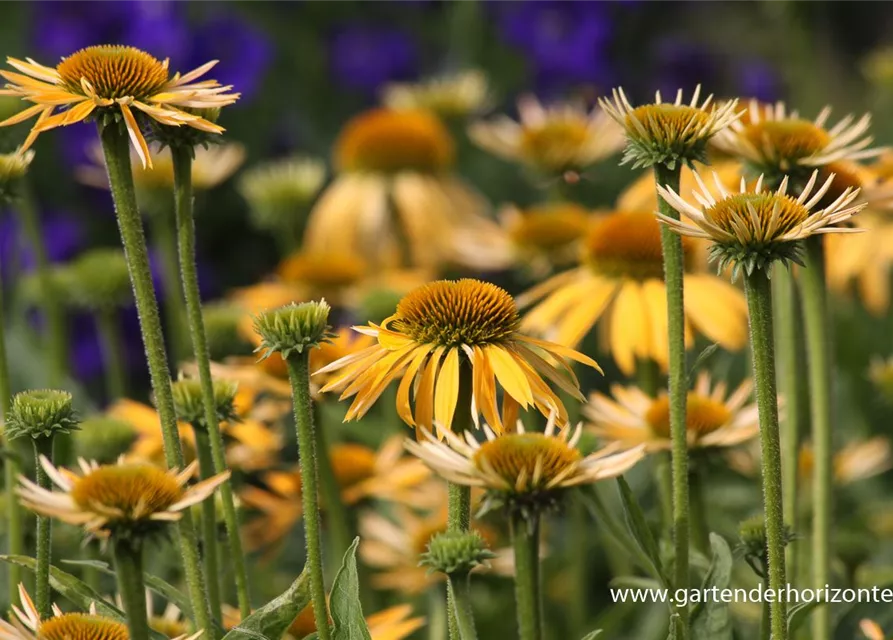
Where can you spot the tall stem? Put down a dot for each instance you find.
(161, 226)
(129, 572)
(336, 516)
(10, 467)
(186, 248)
(792, 389)
(525, 540)
(50, 305)
(459, 498)
(759, 303)
(671, 244)
(819, 342)
(112, 353)
(299, 375)
(116, 150)
(459, 587)
(43, 447)
(209, 523)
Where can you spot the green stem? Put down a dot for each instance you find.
(819, 341)
(671, 244)
(759, 303)
(129, 573)
(525, 540)
(116, 150)
(336, 516)
(112, 353)
(209, 522)
(186, 244)
(792, 389)
(10, 468)
(50, 304)
(459, 588)
(161, 225)
(299, 375)
(43, 446)
(459, 498)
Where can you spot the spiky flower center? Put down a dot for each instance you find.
(626, 244)
(551, 143)
(114, 71)
(754, 212)
(449, 313)
(703, 415)
(790, 139)
(81, 626)
(127, 492)
(550, 227)
(323, 272)
(534, 459)
(352, 463)
(390, 141)
(667, 123)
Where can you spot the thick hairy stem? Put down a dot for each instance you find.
(43, 447)
(116, 150)
(759, 303)
(189, 272)
(528, 598)
(459, 588)
(209, 523)
(129, 573)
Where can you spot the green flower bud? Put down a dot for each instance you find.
(378, 304)
(13, 167)
(292, 328)
(456, 552)
(104, 439)
(190, 407)
(40, 414)
(753, 545)
(278, 192)
(98, 279)
(222, 330)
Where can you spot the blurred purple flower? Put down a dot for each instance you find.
(85, 350)
(62, 235)
(683, 65)
(243, 50)
(758, 79)
(364, 57)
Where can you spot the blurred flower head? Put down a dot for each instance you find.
(620, 283)
(545, 236)
(449, 96)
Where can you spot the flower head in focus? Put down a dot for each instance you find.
(550, 139)
(754, 227)
(714, 417)
(669, 133)
(395, 200)
(619, 284)
(447, 330)
(112, 82)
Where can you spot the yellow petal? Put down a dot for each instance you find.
(509, 374)
(628, 330)
(424, 401)
(133, 130)
(447, 390)
(717, 309)
(484, 389)
(409, 376)
(654, 298)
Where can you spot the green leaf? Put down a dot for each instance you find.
(347, 613)
(274, 618)
(702, 359)
(635, 582)
(799, 613)
(592, 635)
(635, 522)
(711, 619)
(163, 588)
(76, 591)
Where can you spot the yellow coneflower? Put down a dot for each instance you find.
(620, 278)
(361, 473)
(26, 624)
(669, 133)
(149, 444)
(450, 95)
(545, 236)
(393, 623)
(392, 545)
(170, 622)
(641, 195)
(112, 79)
(775, 141)
(753, 227)
(322, 275)
(555, 139)
(106, 499)
(395, 194)
(439, 329)
(529, 465)
(211, 166)
(714, 418)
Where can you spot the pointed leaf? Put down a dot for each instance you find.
(702, 359)
(635, 522)
(711, 620)
(799, 613)
(592, 635)
(274, 618)
(347, 613)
